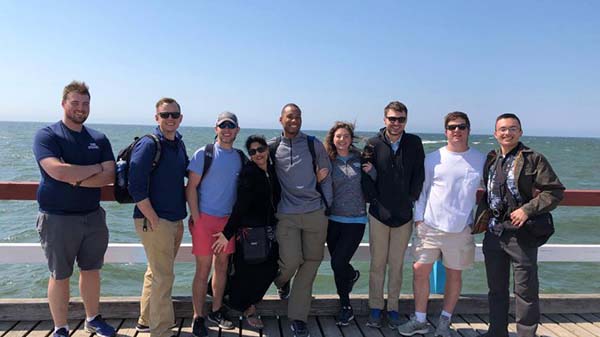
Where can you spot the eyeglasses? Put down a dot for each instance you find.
(396, 119)
(512, 129)
(259, 149)
(165, 115)
(227, 125)
(452, 127)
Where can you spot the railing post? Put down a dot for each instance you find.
(437, 278)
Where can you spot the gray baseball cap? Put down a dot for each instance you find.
(227, 116)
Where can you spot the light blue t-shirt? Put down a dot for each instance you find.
(218, 189)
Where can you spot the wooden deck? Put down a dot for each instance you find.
(559, 325)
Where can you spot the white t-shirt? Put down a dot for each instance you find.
(450, 189)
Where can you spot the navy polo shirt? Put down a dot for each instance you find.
(86, 147)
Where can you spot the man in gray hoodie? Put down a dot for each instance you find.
(302, 226)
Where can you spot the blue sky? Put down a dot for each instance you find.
(338, 60)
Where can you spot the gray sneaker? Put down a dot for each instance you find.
(413, 327)
(443, 327)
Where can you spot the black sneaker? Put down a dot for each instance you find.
(144, 328)
(284, 292)
(220, 318)
(354, 279)
(62, 332)
(345, 315)
(299, 329)
(199, 327)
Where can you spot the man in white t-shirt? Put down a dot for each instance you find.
(443, 215)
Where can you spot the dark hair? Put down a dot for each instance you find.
(167, 100)
(330, 147)
(255, 139)
(456, 115)
(396, 106)
(78, 87)
(292, 105)
(509, 115)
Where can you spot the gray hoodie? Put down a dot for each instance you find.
(298, 180)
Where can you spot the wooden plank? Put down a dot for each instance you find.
(285, 326)
(593, 319)
(556, 328)
(21, 329)
(570, 326)
(271, 328)
(463, 327)
(476, 323)
(313, 327)
(361, 323)
(329, 327)
(127, 329)
(352, 330)
(6, 326)
(583, 323)
(186, 329)
(77, 327)
(43, 329)
(433, 321)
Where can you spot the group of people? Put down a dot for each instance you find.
(266, 220)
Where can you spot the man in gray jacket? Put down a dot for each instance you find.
(302, 227)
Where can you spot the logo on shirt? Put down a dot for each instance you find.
(93, 146)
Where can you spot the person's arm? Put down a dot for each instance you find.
(106, 177)
(191, 193)
(69, 173)
(140, 168)
(323, 162)
(551, 192)
(421, 203)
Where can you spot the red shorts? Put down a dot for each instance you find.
(202, 234)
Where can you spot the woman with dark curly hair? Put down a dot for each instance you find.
(257, 197)
(348, 212)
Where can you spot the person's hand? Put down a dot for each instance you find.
(418, 223)
(367, 167)
(322, 174)
(191, 222)
(518, 217)
(153, 223)
(220, 244)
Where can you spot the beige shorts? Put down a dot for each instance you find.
(457, 249)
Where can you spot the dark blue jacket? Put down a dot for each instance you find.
(165, 184)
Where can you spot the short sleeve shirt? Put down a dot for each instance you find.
(87, 147)
(218, 189)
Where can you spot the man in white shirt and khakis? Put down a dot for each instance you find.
(443, 215)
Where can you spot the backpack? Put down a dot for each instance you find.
(311, 148)
(209, 151)
(121, 191)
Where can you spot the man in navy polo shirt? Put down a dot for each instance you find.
(75, 161)
(159, 194)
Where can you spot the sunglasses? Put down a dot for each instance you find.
(227, 125)
(396, 119)
(452, 127)
(259, 149)
(165, 115)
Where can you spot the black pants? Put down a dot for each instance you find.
(499, 253)
(342, 241)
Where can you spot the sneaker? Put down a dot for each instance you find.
(199, 327)
(62, 332)
(443, 327)
(354, 279)
(393, 318)
(413, 327)
(220, 318)
(284, 292)
(374, 320)
(345, 316)
(100, 327)
(299, 329)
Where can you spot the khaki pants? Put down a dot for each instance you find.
(387, 246)
(301, 239)
(161, 245)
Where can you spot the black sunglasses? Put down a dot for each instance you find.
(165, 115)
(452, 127)
(396, 119)
(259, 149)
(227, 125)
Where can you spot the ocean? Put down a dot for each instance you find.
(574, 159)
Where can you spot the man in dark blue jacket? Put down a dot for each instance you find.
(159, 194)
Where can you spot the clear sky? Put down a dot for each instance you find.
(338, 60)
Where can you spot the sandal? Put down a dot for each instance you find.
(255, 321)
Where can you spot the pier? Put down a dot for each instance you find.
(563, 315)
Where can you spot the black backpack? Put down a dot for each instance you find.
(311, 148)
(121, 190)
